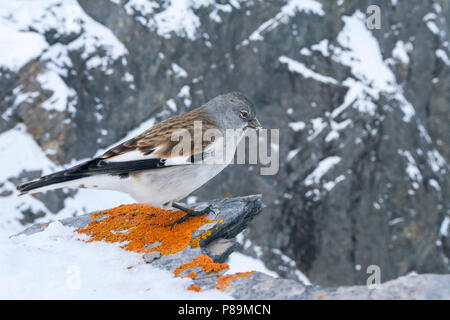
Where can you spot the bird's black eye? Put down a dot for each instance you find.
(244, 114)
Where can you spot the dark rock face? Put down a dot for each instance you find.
(364, 152)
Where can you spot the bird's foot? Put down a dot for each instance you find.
(190, 213)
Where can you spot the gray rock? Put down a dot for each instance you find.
(259, 286)
(151, 256)
(414, 287)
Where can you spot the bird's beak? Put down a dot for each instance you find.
(254, 124)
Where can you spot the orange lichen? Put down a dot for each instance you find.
(194, 287)
(140, 226)
(223, 282)
(208, 265)
(196, 242)
(204, 262)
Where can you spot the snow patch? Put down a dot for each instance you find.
(445, 227)
(72, 269)
(288, 10)
(441, 54)
(329, 185)
(291, 263)
(401, 51)
(322, 168)
(411, 169)
(367, 65)
(63, 98)
(322, 47)
(179, 71)
(174, 16)
(297, 126)
(18, 47)
(298, 67)
(318, 124)
(291, 154)
(239, 262)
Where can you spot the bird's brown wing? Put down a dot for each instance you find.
(147, 151)
(156, 142)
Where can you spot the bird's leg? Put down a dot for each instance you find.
(190, 212)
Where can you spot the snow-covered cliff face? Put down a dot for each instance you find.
(363, 116)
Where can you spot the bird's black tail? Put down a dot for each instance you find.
(56, 180)
(89, 168)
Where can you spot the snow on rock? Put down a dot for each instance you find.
(368, 66)
(287, 11)
(445, 227)
(318, 124)
(335, 128)
(297, 126)
(179, 71)
(185, 95)
(331, 184)
(20, 97)
(365, 60)
(20, 146)
(63, 97)
(239, 262)
(430, 21)
(436, 160)
(18, 47)
(174, 16)
(401, 51)
(291, 154)
(172, 105)
(434, 184)
(298, 67)
(322, 168)
(322, 47)
(412, 169)
(63, 16)
(290, 262)
(143, 7)
(441, 54)
(17, 148)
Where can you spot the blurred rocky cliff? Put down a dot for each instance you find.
(363, 115)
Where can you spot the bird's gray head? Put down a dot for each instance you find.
(232, 111)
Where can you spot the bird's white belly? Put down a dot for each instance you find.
(158, 187)
(155, 187)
